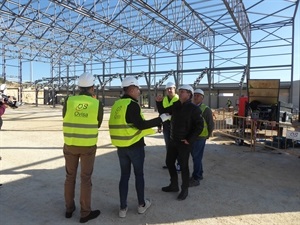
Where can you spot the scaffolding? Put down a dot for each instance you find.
(231, 40)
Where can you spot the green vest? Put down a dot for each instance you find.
(80, 124)
(204, 132)
(166, 102)
(121, 133)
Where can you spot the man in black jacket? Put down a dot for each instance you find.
(186, 125)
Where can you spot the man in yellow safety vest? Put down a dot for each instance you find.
(167, 101)
(127, 128)
(199, 144)
(82, 116)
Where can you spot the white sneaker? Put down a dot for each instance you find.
(142, 209)
(122, 212)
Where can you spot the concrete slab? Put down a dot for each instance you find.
(239, 186)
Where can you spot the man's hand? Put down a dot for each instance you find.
(165, 116)
(159, 98)
(185, 141)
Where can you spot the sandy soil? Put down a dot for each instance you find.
(239, 186)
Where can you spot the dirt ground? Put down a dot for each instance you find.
(239, 186)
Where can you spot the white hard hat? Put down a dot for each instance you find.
(170, 85)
(186, 87)
(129, 81)
(86, 80)
(2, 87)
(199, 91)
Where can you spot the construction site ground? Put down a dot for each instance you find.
(239, 187)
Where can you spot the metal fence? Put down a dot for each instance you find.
(281, 136)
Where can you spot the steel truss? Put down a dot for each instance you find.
(132, 37)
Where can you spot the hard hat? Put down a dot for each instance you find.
(2, 87)
(199, 91)
(129, 81)
(170, 85)
(186, 87)
(86, 80)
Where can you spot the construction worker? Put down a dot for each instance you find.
(167, 101)
(127, 128)
(82, 116)
(199, 145)
(228, 104)
(186, 125)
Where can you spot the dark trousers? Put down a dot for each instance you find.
(134, 156)
(167, 132)
(181, 152)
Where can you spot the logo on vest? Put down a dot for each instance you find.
(79, 108)
(117, 113)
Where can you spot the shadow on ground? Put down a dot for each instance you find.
(231, 187)
(236, 182)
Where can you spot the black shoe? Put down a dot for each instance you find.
(170, 188)
(70, 214)
(183, 194)
(193, 182)
(93, 214)
(201, 177)
(165, 167)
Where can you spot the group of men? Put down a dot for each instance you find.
(187, 123)
(173, 102)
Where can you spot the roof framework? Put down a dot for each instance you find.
(186, 41)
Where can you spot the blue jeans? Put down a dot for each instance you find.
(136, 157)
(197, 155)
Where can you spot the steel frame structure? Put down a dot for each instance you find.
(223, 40)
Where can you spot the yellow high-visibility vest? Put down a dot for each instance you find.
(204, 132)
(166, 102)
(80, 124)
(123, 134)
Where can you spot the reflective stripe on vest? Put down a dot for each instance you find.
(121, 133)
(80, 124)
(204, 132)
